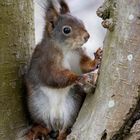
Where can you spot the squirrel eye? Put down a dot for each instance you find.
(66, 30)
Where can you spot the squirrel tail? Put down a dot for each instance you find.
(21, 133)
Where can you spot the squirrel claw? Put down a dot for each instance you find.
(98, 57)
(98, 54)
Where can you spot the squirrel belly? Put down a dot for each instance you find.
(55, 108)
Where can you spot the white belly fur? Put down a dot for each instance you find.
(53, 106)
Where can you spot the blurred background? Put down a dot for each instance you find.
(83, 9)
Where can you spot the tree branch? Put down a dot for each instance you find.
(113, 109)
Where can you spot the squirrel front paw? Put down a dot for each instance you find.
(88, 82)
(87, 79)
(98, 57)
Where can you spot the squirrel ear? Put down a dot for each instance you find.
(51, 16)
(64, 7)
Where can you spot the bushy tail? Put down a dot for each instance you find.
(21, 134)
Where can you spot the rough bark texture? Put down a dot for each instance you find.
(16, 39)
(112, 113)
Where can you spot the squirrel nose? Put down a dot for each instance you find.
(86, 37)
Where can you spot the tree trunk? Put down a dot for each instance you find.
(16, 40)
(113, 112)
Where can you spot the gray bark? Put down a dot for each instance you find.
(113, 111)
(16, 40)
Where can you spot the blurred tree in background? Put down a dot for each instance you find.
(16, 40)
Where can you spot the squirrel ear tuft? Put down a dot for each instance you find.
(64, 8)
(51, 16)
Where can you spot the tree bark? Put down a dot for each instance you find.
(16, 40)
(112, 113)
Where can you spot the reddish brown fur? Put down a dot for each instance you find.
(37, 131)
(63, 78)
(62, 136)
(87, 64)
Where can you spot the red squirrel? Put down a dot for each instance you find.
(57, 64)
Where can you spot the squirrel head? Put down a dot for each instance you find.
(64, 29)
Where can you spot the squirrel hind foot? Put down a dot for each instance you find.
(37, 133)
